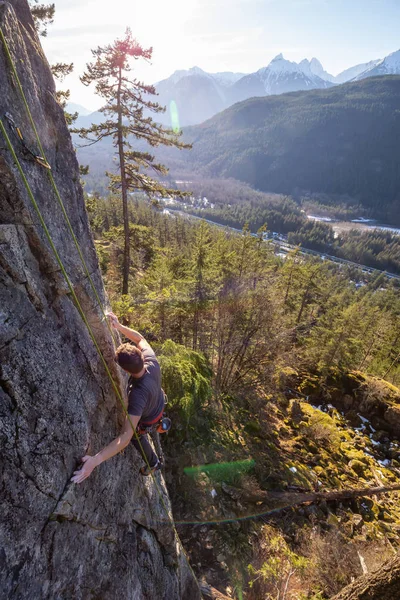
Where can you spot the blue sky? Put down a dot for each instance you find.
(224, 35)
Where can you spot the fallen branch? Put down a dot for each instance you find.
(290, 499)
(383, 584)
(210, 593)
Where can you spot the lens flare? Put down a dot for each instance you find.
(224, 470)
(173, 110)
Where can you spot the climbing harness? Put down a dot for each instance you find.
(17, 132)
(67, 279)
(161, 426)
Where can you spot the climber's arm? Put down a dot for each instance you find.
(117, 445)
(131, 334)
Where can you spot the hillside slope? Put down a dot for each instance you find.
(345, 140)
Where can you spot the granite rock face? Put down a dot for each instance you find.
(110, 537)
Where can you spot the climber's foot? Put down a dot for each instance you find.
(146, 470)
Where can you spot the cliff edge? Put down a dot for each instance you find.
(111, 536)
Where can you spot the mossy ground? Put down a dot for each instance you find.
(282, 444)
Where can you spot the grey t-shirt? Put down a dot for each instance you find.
(145, 396)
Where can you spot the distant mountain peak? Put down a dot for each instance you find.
(181, 73)
(317, 69)
(390, 65)
(279, 64)
(196, 70)
(393, 61)
(314, 62)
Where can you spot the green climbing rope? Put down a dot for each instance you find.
(49, 172)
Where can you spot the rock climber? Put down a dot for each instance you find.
(146, 402)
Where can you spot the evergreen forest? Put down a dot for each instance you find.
(341, 141)
(235, 205)
(275, 371)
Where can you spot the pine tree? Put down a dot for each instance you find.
(43, 15)
(126, 102)
(60, 72)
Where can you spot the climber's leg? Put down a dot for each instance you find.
(146, 448)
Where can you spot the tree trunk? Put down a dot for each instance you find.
(306, 295)
(290, 499)
(383, 584)
(294, 263)
(124, 192)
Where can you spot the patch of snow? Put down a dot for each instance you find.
(363, 419)
(373, 442)
(293, 469)
(213, 493)
(384, 463)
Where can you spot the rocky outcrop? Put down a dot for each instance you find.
(357, 393)
(111, 536)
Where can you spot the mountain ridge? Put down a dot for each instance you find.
(197, 95)
(341, 140)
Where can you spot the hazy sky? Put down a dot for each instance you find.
(223, 35)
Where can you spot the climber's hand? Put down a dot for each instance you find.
(89, 463)
(113, 319)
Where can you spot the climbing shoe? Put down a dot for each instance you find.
(146, 470)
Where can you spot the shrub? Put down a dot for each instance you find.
(186, 378)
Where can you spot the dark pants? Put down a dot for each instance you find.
(145, 447)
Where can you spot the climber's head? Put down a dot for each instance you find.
(130, 359)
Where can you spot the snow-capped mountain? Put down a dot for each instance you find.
(353, 72)
(317, 69)
(227, 78)
(178, 75)
(224, 77)
(390, 65)
(193, 95)
(278, 77)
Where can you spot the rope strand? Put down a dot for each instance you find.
(50, 174)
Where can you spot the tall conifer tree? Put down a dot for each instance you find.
(43, 15)
(127, 99)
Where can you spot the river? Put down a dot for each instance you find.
(362, 224)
